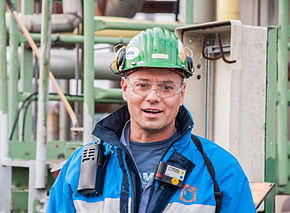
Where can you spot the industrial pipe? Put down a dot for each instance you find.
(88, 113)
(13, 73)
(282, 144)
(66, 22)
(41, 139)
(4, 132)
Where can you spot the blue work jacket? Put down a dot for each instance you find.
(122, 189)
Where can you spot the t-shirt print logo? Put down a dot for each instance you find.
(188, 194)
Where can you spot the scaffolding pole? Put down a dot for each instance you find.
(88, 70)
(40, 169)
(5, 171)
(282, 144)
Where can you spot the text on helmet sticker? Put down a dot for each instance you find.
(163, 56)
(132, 52)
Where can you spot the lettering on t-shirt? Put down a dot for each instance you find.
(145, 178)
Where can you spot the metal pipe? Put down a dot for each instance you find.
(64, 122)
(13, 73)
(88, 108)
(100, 95)
(4, 132)
(102, 24)
(282, 147)
(61, 22)
(5, 171)
(72, 39)
(189, 11)
(40, 167)
(26, 74)
(204, 11)
(207, 96)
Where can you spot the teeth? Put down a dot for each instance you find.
(152, 110)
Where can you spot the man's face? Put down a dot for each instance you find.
(152, 113)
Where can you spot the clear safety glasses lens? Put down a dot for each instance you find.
(162, 89)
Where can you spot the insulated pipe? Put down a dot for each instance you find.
(66, 22)
(228, 9)
(62, 67)
(4, 146)
(60, 22)
(40, 167)
(282, 144)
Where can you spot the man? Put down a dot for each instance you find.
(150, 162)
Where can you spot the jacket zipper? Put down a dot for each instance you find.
(136, 185)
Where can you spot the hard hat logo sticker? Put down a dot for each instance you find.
(131, 53)
(181, 51)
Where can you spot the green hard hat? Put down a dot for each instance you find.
(157, 48)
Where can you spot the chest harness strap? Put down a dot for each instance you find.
(217, 193)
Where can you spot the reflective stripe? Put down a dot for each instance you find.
(109, 205)
(194, 208)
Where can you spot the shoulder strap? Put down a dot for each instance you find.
(218, 194)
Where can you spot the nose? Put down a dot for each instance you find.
(153, 96)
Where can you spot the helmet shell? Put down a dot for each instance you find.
(157, 48)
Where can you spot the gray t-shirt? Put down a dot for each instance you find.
(147, 156)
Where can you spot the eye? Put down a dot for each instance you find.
(141, 85)
(167, 87)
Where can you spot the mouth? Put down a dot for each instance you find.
(152, 111)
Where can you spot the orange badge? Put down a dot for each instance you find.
(181, 50)
(188, 194)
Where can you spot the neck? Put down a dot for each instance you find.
(148, 135)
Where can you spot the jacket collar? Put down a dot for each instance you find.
(110, 128)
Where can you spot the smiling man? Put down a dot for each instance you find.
(146, 159)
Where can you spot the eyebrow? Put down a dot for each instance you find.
(140, 79)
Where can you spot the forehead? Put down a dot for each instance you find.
(154, 74)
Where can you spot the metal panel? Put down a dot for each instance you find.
(235, 117)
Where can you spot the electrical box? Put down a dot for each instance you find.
(227, 92)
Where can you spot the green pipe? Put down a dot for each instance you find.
(270, 124)
(26, 75)
(4, 148)
(189, 12)
(14, 71)
(72, 39)
(41, 139)
(288, 45)
(89, 11)
(107, 93)
(103, 95)
(3, 61)
(283, 90)
(102, 25)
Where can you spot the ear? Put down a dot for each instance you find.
(182, 93)
(124, 87)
